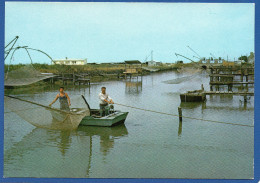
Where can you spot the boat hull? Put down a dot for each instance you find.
(110, 120)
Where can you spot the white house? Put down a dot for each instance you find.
(153, 63)
(70, 61)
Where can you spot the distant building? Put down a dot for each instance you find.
(211, 60)
(179, 62)
(239, 62)
(70, 61)
(153, 63)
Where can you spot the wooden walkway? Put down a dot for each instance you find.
(228, 92)
(71, 77)
(230, 83)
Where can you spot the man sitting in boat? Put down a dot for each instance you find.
(64, 100)
(104, 100)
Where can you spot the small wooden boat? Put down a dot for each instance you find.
(114, 118)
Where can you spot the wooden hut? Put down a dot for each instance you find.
(133, 68)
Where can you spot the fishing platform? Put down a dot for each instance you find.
(224, 75)
(133, 68)
(200, 95)
(75, 79)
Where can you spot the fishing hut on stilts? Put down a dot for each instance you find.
(225, 77)
(133, 68)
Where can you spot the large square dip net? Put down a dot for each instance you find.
(45, 116)
(25, 75)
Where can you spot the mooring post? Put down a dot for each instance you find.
(180, 129)
(180, 114)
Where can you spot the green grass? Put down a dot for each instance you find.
(88, 68)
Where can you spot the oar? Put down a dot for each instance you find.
(86, 103)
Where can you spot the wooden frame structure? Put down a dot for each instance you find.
(133, 68)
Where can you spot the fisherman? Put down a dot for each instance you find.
(64, 100)
(104, 101)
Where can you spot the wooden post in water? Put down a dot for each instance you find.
(180, 129)
(202, 87)
(242, 75)
(217, 87)
(245, 99)
(180, 114)
(230, 86)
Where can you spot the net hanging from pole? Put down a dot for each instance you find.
(25, 75)
(45, 116)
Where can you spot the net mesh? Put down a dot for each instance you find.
(24, 76)
(189, 70)
(45, 116)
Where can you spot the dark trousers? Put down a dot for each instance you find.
(103, 109)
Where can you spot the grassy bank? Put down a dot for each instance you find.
(96, 72)
(91, 69)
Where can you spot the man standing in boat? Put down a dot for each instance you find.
(104, 100)
(64, 100)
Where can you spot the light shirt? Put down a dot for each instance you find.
(103, 97)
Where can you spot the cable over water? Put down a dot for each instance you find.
(175, 115)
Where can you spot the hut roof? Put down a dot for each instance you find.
(132, 62)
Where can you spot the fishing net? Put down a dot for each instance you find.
(178, 80)
(24, 76)
(189, 70)
(45, 116)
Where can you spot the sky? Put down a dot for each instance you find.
(114, 32)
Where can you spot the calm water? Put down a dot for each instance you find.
(148, 145)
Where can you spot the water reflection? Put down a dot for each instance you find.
(192, 105)
(242, 106)
(133, 87)
(74, 147)
(64, 141)
(48, 153)
(107, 135)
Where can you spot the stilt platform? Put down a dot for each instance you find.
(200, 96)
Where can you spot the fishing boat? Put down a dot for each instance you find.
(94, 119)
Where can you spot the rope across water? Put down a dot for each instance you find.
(175, 115)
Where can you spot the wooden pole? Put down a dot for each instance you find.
(180, 114)
(180, 129)
(245, 98)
